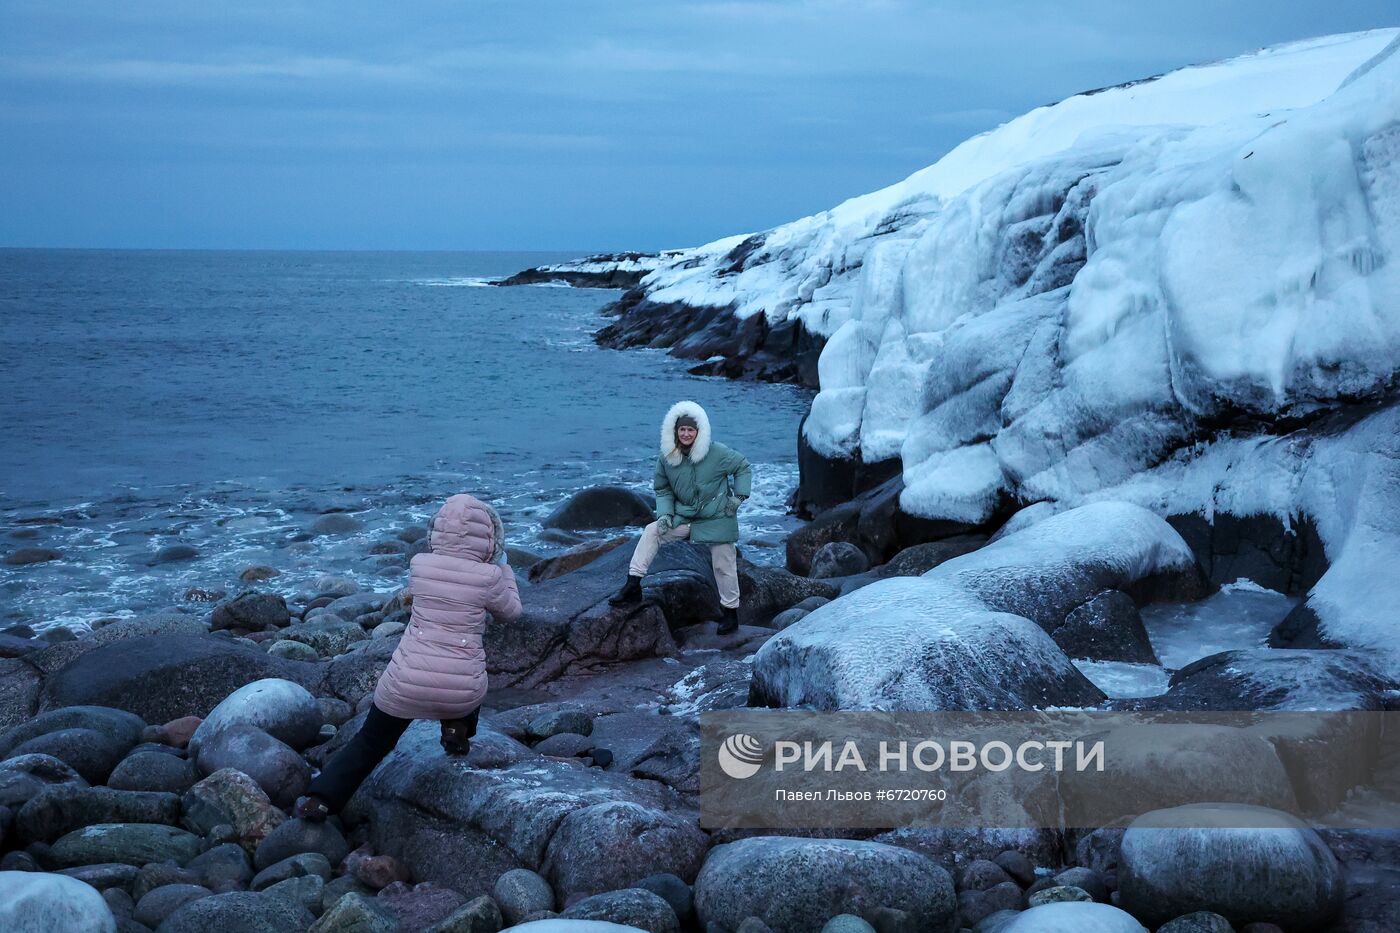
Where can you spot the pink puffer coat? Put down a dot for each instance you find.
(438, 670)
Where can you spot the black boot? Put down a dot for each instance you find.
(729, 623)
(631, 592)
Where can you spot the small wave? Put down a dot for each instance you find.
(464, 281)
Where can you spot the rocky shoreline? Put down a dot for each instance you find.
(604, 270)
(148, 765)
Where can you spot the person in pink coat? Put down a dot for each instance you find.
(438, 670)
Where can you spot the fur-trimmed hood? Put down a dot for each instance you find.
(469, 528)
(700, 448)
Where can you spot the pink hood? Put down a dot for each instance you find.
(438, 670)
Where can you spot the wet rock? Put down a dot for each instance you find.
(295, 866)
(981, 874)
(633, 907)
(421, 906)
(128, 843)
(328, 636)
(674, 891)
(329, 585)
(145, 626)
(838, 559)
(580, 555)
(160, 903)
(104, 877)
(1245, 863)
(24, 776)
(767, 591)
(174, 553)
(788, 617)
(479, 915)
(223, 866)
(295, 837)
(336, 523)
(1017, 867)
(90, 753)
(120, 726)
(13, 646)
(521, 892)
(560, 722)
(274, 766)
(1086, 879)
(178, 732)
(1263, 679)
(56, 811)
(166, 677)
(921, 558)
(24, 556)
(1057, 893)
(387, 630)
(974, 906)
(602, 507)
(282, 709)
(795, 883)
(565, 745)
(231, 797)
(257, 573)
(355, 913)
(352, 676)
(252, 612)
(1106, 628)
(1202, 921)
(354, 605)
(306, 890)
(33, 902)
(19, 690)
(121, 903)
(376, 871)
(154, 771)
(601, 847)
(292, 650)
(239, 912)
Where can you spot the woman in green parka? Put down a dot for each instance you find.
(700, 484)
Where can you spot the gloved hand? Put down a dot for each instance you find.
(734, 502)
(665, 523)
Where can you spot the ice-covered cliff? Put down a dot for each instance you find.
(1183, 292)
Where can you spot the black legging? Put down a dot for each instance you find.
(344, 773)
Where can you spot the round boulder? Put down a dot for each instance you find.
(23, 557)
(793, 883)
(253, 612)
(1245, 863)
(155, 771)
(521, 892)
(602, 507)
(35, 902)
(633, 907)
(24, 776)
(159, 903)
(838, 559)
(125, 728)
(284, 710)
(607, 845)
(86, 751)
(336, 523)
(1074, 917)
(275, 766)
(243, 911)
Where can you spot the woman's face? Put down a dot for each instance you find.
(686, 435)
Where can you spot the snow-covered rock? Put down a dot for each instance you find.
(37, 902)
(1074, 917)
(1249, 864)
(1181, 292)
(971, 633)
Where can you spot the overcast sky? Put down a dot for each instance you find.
(500, 124)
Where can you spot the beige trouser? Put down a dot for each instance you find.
(722, 557)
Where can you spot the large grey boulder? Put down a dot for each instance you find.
(118, 725)
(275, 766)
(56, 811)
(971, 633)
(239, 912)
(463, 824)
(90, 753)
(165, 678)
(251, 612)
(1246, 863)
(633, 907)
(602, 507)
(154, 771)
(794, 885)
(283, 709)
(128, 843)
(36, 902)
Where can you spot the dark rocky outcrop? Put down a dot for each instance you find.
(602, 507)
(599, 271)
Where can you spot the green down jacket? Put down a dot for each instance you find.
(699, 493)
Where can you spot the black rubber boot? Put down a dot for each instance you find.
(630, 593)
(729, 623)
